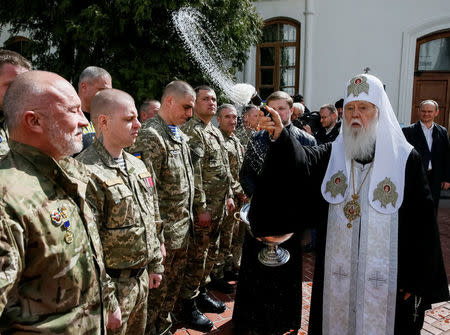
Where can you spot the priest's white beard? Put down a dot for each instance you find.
(359, 143)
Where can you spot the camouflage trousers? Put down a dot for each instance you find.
(161, 300)
(225, 257)
(203, 251)
(240, 228)
(132, 294)
(232, 236)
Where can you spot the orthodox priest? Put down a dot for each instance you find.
(379, 265)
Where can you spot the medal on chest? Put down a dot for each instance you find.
(60, 217)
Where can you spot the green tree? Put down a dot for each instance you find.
(134, 40)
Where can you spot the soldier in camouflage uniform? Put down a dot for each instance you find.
(249, 124)
(92, 80)
(232, 233)
(213, 176)
(11, 64)
(163, 145)
(125, 203)
(53, 279)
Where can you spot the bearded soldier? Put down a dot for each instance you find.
(53, 278)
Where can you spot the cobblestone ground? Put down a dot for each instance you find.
(437, 320)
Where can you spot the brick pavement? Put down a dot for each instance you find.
(437, 320)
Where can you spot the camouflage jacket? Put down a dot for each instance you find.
(53, 279)
(244, 134)
(157, 146)
(235, 152)
(3, 136)
(126, 209)
(211, 166)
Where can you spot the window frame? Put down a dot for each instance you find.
(430, 37)
(277, 56)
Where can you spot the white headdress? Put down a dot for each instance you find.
(391, 152)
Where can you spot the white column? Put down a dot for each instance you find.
(307, 73)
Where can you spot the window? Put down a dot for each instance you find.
(277, 58)
(434, 53)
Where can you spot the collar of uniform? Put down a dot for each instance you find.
(166, 128)
(105, 156)
(226, 135)
(200, 121)
(45, 164)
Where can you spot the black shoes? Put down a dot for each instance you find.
(193, 317)
(221, 285)
(208, 304)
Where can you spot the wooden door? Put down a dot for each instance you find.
(432, 75)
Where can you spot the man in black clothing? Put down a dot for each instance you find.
(431, 142)
(379, 263)
(269, 299)
(330, 125)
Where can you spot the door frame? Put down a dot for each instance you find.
(409, 42)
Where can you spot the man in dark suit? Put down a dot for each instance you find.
(330, 124)
(432, 143)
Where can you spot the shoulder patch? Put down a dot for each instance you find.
(137, 154)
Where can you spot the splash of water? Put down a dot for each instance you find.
(196, 33)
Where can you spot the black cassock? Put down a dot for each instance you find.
(268, 299)
(421, 269)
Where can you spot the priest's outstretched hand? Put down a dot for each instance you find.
(273, 124)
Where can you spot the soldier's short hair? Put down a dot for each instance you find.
(278, 95)
(146, 104)
(104, 102)
(14, 58)
(203, 88)
(222, 107)
(15, 99)
(92, 73)
(178, 88)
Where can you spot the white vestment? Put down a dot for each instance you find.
(360, 280)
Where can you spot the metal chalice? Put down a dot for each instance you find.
(271, 255)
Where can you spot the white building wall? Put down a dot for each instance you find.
(349, 35)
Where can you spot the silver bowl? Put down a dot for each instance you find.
(272, 255)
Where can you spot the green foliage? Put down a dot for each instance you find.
(134, 40)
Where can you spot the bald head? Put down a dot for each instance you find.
(114, 115)
(106, 101)
(43, 110)
(32, 91)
